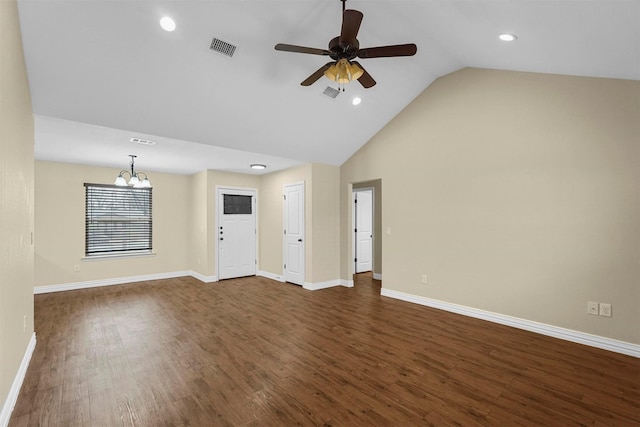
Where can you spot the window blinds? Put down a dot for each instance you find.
(118, 220)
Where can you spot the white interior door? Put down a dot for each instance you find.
(236, 233)
(363, 230)
(294, 233)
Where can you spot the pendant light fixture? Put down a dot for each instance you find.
(343, 72)
(135, 179)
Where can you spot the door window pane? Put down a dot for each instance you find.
(237, 205)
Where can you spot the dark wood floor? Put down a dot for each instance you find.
(254, 352)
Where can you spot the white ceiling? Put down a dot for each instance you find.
(103, 71)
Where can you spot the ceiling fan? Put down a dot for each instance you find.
(344, 49)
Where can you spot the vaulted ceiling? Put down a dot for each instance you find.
(104, 71)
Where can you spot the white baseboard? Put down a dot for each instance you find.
(308, 285)
(377, 276)
(108, 282)
(14, 391)
(346, 283)
(320, 285)
(328, 284)
(202, 277)
(271, 276)
(171, 275)
(617, 346)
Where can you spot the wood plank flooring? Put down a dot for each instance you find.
(254, 352)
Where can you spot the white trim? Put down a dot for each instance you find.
(377, 276)
(604, 343)
(328, 284)
(271, 276)
(202, 277)
(354, 225)
(14, 391)
(108, 282)
(346, 283)
(320, 285)
(118, 256)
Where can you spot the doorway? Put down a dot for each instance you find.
(236, 233)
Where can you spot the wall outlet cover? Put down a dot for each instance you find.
(605, 309)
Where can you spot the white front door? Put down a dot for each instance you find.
(236, 233)
(294, 233)
(363, 230)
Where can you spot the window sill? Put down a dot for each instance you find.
(117, 256)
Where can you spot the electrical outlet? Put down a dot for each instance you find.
(424, 278)
(24, 323)
(592, 308)
(76, 268)
(605, 309)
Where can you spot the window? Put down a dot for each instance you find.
(235, 204)
(117, 220)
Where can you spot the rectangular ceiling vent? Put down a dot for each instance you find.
(331, 92)
(142, 141)
(222, 47)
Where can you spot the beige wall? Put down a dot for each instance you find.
(515, 193)
(324, 194)
(16, 195)
(322, 256)
(198, 225)
(60, 208)
(271, 214)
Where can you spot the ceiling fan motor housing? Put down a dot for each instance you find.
(347, 51)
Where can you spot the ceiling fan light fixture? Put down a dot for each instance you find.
(343, 72)
(356, 100)
(355, 71)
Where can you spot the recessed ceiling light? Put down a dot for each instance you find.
(258, 166)
(167, 24)
(506, 37)
(356, 100)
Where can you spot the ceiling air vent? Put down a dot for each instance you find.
(142, 141)
(331, 92)
(222, 47)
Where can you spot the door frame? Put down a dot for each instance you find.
(354, 242)
(238, 190)
(304, 230)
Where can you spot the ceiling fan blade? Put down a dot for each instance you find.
(315, 76)
(351, 20)
(387, 51)
(365, 79)
(301, 49)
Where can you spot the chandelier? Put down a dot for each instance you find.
(135, 178)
